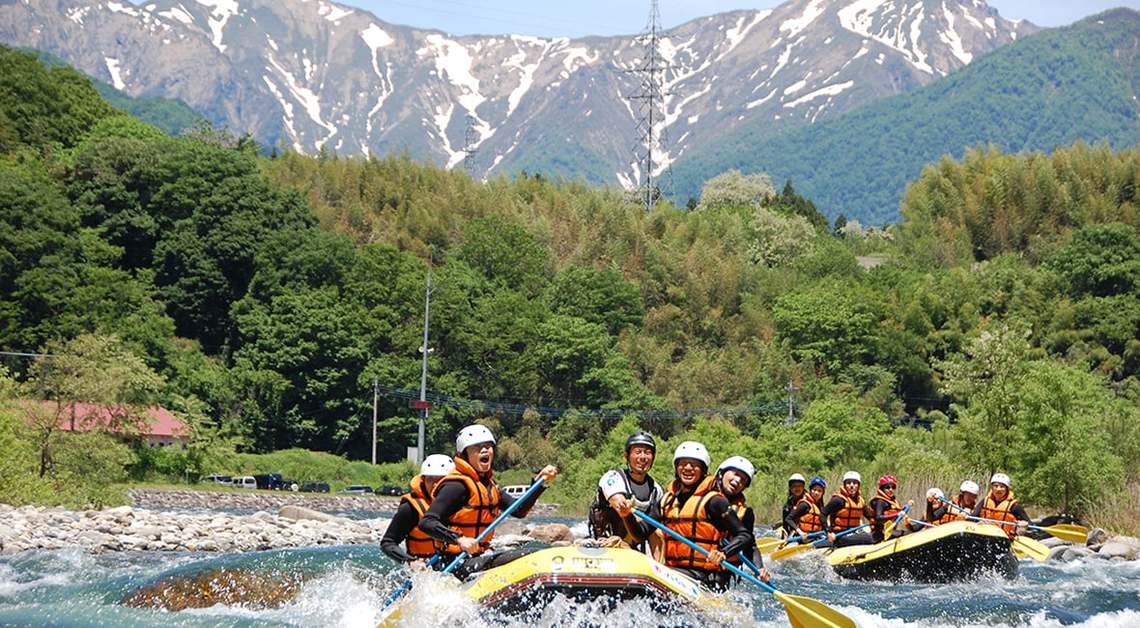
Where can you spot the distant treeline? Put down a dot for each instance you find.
(265, 295)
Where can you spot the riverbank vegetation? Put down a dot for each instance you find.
(995, 328)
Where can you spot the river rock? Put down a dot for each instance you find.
(1116, 548)
(1076, 553)
(511, 528)
(1056, 553)
(1097, 536)
(551, 532)
(299, 513)
(1053, 541)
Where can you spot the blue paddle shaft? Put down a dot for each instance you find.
(727, 565)
(458, 559)
(494, 524)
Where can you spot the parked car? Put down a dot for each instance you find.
(314, 487)
(388, 489)
(274, 482)
(357, 489)
(515, 490)
(244, 481)
(217, 478)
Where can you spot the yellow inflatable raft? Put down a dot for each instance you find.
(584, 574)
(959, 550)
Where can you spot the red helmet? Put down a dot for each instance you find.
(888, 479)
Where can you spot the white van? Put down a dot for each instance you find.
(515, 490)
(244, 481)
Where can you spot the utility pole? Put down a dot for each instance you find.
(650, 99)
(791, 420)
(423, 405)
(375, 403)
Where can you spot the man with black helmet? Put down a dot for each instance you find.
(621, 490)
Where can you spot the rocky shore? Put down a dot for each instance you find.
(164, 499)
(136, 529)
(1101, 544)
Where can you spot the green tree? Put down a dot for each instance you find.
(1101, 260)
(597, 296)
(505, 254)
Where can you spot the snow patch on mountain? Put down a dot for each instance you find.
(951, 38)
(115, 72)
(830, 90)
(125, 10)
(332, 12)
(76, 14)
(526, 70)
(178, 13)
(220, 12)
(813, 10)
(454, 60)
(306, 98)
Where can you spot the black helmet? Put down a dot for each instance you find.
(641, 438)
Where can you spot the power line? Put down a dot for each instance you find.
(518, 409)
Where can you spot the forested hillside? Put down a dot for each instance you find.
(260, 297)
(1055, 87)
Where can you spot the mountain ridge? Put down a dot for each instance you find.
(1080, 82)
(316, 75)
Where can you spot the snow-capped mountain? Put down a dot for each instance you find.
(317, 75)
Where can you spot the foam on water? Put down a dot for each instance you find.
(348, 586)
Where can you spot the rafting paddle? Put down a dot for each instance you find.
(889, 529)
(1063, 531)
(796, 549)
(482, 535)
(769, 543)
(803, 612)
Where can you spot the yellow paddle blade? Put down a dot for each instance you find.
(391, 618)
(1065, 533)
(1072, 527)
(766, 544)
(804, 612)
(791, 550)
(1026, 547)
(889, 529)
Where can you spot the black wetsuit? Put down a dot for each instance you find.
(403, 522)
(449, 499)
(789, 506)
(879, 517)
(836, 504)
(750, 552)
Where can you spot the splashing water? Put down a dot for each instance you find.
(348, 586)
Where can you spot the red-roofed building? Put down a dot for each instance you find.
(162, 428)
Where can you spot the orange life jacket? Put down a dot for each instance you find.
(850, 516)
(691, 521)
(878, 527)
(811, 521)
(418, 543)
(1001, 511)
(954, 514)
(476, 515)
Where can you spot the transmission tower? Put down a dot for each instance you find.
(470, 145)
(650, 99)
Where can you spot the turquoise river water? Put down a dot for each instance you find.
(347, 586)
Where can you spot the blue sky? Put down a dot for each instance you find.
(612, 17)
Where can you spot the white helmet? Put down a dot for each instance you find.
(935, 493)
(691, 449)
(853, 475)
(473, 435)
(437, 466)
(796, 477)
(738, 463)
(1001, 478)
(969, 486)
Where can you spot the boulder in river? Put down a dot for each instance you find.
(552, 533)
